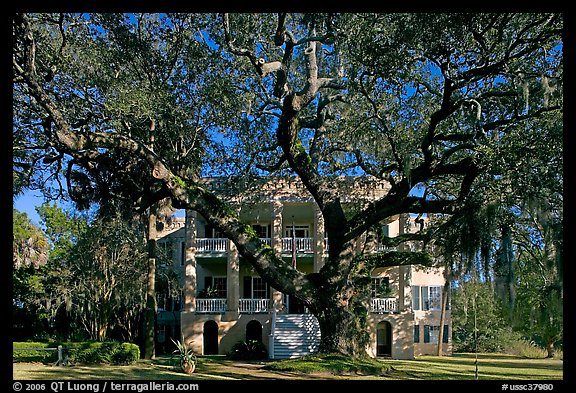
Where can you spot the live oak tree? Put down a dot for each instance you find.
(141, 107)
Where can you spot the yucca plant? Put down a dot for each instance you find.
(185, 355)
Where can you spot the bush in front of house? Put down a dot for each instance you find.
(30, 356)
(248, 350)
(87, 352)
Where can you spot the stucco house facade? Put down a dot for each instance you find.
(223, 300)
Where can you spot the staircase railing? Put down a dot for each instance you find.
(272, 330)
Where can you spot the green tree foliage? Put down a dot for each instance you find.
(108, 278)
(29, 245)
(445, 108)
(93, 282)
(478, 321)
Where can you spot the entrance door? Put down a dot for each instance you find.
(384, 339)
(294, 305)
(254, 331)
(210, 338)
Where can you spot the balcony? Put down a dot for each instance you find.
(303, 245)
(218, 306)
(220, 245)
(255, 306)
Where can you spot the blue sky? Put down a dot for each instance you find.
(27, 203)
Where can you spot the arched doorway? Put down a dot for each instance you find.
(254, 331)
(384, 339)
(210, 338)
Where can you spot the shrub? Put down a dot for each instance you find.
(109, 352)
(248, 350)
(33, 355)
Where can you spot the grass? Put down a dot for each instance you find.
(456, 367)
(335, 364)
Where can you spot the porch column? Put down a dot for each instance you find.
(276, 243)
(403, 287)
(232, 283)
(319, 247)
(190, 267)
(405, 272)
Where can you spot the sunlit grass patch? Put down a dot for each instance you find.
(336, 364)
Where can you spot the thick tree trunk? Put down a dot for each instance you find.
(444, 306)
(551, 351)
(343, 323)
(150, 312)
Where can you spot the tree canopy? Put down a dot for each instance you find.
(443, 107)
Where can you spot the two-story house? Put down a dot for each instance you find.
(223, 300)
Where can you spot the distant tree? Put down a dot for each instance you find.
(478, 320)
(29, 244)
(107, 280)
(539, 309)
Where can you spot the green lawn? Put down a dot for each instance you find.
(455, 367)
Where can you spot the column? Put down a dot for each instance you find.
(276, 242)
(319, 248)
(232, 283)
(190, 267)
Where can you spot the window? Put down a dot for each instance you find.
(263, 231)
(432, 332)
(426, 297)
(385, 231)
(416, 333)
(255, 288)
(435, 298)
(380, 287)
(164, 250)
(259, 288)
(215, 287)
(300, 231)
(211, 232)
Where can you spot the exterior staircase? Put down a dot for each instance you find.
(294, 335)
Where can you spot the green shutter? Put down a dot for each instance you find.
(415, 297)
(416, 333)
(426, 333)
(445, 335)
(425, 301)
(247, 287)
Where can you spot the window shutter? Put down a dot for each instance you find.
(426, 333)
(247, 287)
(183, 254)
(415, 297)
(425, 302)
(416, 333)
(445, 335)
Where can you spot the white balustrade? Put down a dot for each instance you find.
(386, 304)
(206, 244)
(303, 244)
(251, 306)
(211, 306)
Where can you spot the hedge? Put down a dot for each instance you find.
(107, 352)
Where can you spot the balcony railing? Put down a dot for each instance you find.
(211, 306)
(253, 306)
(384, 304)
(207, 244)
(303, 245)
